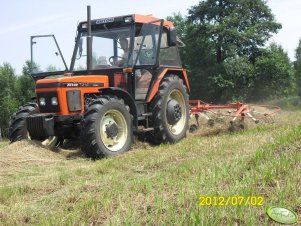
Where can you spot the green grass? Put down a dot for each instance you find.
(161, 185)
(3, 144)
(289, 103)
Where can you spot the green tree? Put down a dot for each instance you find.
(297, 67)
(236, 27)
(235, 81)
(223, 40)
(199, 59)
(180, 24)
(274, 75)
(25, 85)
(197, 56)
(8, 102)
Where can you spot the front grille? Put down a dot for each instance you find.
(48, 108)
(74, 100)
(40, 126)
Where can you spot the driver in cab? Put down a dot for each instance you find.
(124, 46)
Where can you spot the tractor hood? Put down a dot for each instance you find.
(66, 95)
(74, 81)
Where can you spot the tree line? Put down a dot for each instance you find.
(15, 90)
(225, 53)
(227, 56)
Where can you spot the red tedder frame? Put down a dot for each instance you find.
(241, 110)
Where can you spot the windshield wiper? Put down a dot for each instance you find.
(111, 33)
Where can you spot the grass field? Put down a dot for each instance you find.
(157, 185)
(3, 144)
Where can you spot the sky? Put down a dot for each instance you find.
(21, 19)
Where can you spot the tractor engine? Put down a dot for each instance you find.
(61, 104)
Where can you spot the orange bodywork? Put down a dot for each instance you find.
(146, 19)
(62, 91)
(181, 72)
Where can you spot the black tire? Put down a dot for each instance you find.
(18, 129)
(94, 143)
(159, 105)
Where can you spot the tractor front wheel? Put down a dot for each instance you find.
(106, 129)
(18, 127)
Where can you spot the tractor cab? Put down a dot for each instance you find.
(133, 43)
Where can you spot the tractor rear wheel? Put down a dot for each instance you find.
(106, 129)
(170, 111)
(18, 127)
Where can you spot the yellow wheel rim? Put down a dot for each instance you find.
(115, 143)
(177, 128)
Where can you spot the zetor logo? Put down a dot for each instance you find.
(72, 84)
(105, 20)
(282, 215)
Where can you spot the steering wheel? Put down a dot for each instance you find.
(114, 60)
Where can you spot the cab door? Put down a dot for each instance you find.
(46, 57)
(145, 56)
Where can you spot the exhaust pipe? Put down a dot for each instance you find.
(89, 41)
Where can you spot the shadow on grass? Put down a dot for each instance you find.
(71, 150)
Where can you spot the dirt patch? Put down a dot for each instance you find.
(23, 153)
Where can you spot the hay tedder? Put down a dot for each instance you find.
(125, 78)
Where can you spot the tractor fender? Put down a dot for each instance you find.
(180, 72)
(128, 99)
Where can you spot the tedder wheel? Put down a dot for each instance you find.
(170, 109)
(18, 128)
(106, 129)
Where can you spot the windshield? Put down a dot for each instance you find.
(110, 48)
(115, 47)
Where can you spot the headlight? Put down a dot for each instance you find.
(54, 101)
(42, 101)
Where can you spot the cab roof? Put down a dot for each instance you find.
(146, 19)
(127, 19)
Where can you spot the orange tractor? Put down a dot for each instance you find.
(125, 78)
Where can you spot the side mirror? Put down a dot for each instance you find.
(172, 37)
